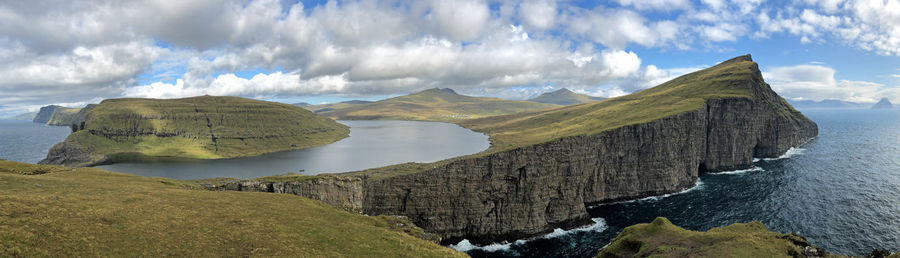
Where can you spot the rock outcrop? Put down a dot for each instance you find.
(45, 113)
(341, 192)
(530, 190)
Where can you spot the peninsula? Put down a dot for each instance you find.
(546, 167)
(205, 127)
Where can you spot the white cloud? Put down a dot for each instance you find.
(817, 82)
(667, 5)
(540, 14)
(461, 19)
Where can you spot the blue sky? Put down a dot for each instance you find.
(327, 51)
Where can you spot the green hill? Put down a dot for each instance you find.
(663, 239)
(686, 93)
(564, 97)
(433, 105)
(200, 127)
(53, 211)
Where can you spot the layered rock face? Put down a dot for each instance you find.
(61, 116)
(45, 114)
(531, 190)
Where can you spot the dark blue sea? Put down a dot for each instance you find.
(24, 141)
(841, 191)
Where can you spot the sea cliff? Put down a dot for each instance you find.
(718, 119)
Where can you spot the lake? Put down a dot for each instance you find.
(370, 144)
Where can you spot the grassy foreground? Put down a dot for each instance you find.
(203, 127)
(661, 238)
(442, 105)
(59, 211)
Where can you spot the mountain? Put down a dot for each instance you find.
(301, 104)
(825, 104)
(432, 105)
(545, 167)
(564, 97)
(661, 238)
(24, 116)
(61, 116)
(884, 103)
(333, 106)
(92, 212)
(204, 127)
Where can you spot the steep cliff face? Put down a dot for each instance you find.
(518, 192)
(45, 114)
(341, 192)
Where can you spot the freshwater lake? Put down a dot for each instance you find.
(371, 144)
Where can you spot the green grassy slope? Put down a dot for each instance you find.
(682, 94)
(201, 127)
(564, 97)
(663, 239)
(433, 105)
(53, 211)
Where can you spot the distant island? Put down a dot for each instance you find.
(204, 127)
(564, 97)
(61, 116)
(826, 104)
(884, 103)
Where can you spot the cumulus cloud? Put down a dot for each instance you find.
(70, 52)
(817, 82)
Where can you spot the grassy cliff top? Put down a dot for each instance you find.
(564, 97)
(689, 92)
(91, 212)
(443, 105)
(205, 127)
(661, 238)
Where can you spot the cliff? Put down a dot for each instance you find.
(545, 167)
(428, 105)
(664, 239)
(61, 116)
(204, 127)
(55, 211)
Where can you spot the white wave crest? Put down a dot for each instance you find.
(736, 172)
(789, 153)
(599, 225)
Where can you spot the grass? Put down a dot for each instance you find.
(202, 128)
(58, 211)
(683, 94)
(564, 97)
(661, 238)
(442, 105)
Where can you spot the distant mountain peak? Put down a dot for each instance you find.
(884, 103)
(440, 90)
(563, 96)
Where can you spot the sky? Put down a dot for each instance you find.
(72, 53)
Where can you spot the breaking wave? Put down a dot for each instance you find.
(599, 225)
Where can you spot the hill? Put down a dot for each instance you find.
(661, 238)
(432, 105)
(24, 116)
(884, 103)
(333, 106)
(53, 211)
(564, 97)
(204, 127)
(683, 94)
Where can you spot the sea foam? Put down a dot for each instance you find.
(789, 153)
(737, 172)
(599, 225)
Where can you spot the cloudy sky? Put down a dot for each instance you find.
(77, 52)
